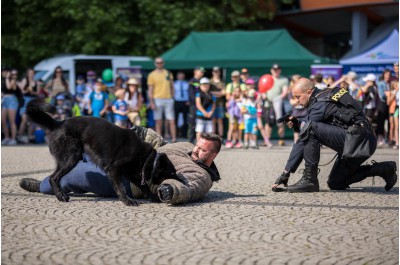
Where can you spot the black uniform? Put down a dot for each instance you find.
(336, 120)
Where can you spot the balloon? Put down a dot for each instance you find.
(265, 83)
(107, 75)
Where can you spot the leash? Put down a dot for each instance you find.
(329, 161)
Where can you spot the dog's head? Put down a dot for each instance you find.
(158, 168)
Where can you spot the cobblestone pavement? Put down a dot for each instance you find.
(241, 221)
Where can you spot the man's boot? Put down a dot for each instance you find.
(29, 184)
(387, 171)
(308, 182)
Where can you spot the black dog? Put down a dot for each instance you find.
(119, 152)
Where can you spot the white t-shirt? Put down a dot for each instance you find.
(133, 102)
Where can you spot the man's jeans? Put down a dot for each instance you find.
(86, 177)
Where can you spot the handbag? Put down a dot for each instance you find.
(359, 143)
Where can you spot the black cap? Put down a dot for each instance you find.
(276, 66)
(201, 68)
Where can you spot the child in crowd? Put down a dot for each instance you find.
(120, 109)
(80, 86)
(112, 98)
(98, 101)
(62, 109)
(205, 105)
(235, 118)
(249, 111)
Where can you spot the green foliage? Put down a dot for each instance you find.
(34, 30)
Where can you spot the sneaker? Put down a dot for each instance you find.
(12, 142)
(238, 145)
(281, 142)
(246, 146)
(5, 141)
(23, 139)
(229, 145)
(255, 147)
(29, 184)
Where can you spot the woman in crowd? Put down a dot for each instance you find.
(9, 107)
(57, 85)
(29, 88)
(134, 99)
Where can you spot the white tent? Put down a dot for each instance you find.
(377, 58)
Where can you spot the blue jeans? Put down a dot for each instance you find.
(86, 177)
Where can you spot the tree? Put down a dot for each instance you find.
(34, 30)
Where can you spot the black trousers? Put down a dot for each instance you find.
(309, 150)
(192, 123)
(181, 107)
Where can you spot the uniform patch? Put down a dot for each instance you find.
(339, 94)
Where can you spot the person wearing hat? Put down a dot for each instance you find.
(205, 107)
(134, 99)
(161, 97)
(98, 100)
(217, 88)
(194, 88)
(91, 79)
(276, 95)
(235, 77)
(370, 92)
(63, 110)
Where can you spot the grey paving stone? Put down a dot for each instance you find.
(241, 221)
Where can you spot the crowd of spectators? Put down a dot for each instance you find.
(185, 107)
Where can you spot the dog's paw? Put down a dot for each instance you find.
(130, 202)
(63, 197)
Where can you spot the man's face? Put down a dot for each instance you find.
(276, 72)
(205, 87)
(396, 68)
(303, 98)
(235, 78)
(203, 150)
(198, 73)
(159, 63)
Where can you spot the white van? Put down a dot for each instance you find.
(74, 65)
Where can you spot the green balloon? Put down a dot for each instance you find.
(107, 75)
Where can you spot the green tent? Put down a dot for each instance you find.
(255, 50)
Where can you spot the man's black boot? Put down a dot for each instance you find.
(308, 182)
(29, 184)
(387, 171)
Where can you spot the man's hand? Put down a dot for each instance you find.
(165, 192)
(282, 179)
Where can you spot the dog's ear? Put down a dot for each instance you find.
(162, 168)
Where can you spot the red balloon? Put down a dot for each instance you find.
(265, 83)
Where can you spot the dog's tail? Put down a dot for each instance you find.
(36, 110)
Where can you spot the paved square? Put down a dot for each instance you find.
(241, 221)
